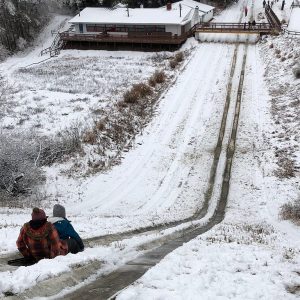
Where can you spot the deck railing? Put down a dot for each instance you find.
(155, 38)
(291, 32)
(295, 4)
(234, 27)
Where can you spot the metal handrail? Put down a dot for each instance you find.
(291, 32)
(232, 27)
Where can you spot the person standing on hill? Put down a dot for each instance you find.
(66, 232)
(39, 239)
(246, 11)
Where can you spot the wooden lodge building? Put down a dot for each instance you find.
(165, 27)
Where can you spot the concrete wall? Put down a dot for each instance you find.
(175, 29)
(208, 16)
(200, 16)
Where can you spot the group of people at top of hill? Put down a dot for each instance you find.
(44, 237)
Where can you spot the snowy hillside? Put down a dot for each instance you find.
(146, 172)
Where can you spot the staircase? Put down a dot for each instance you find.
(55, 47)
(272, 18)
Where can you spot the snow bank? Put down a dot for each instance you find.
(227, 37)
(207, 270)
(294, 23)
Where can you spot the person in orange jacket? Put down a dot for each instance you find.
(39, 239)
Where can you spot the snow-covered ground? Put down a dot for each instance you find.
(71, 88)
(252, 254)
(294, 22)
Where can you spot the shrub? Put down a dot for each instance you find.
(291, 211)
(90, 137)
(152, 81)
(100, 125)
(286, 168)
(142, 89)
(19, 171)
(159, 76)
(296, 72)
(173, 64)
(271, 46)
(179, 57)
(131, 96)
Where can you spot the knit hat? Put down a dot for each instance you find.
(38, 214)
(59, 211)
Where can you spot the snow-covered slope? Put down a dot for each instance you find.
(252, 254)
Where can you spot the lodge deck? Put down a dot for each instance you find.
(131, 38)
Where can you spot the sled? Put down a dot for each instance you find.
(18, 262)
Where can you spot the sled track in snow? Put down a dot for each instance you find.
(109, 285)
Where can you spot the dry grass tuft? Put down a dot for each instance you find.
(286, 167)
(131, 96)
(159, 77)
(151, 81)
(90, 137)
(138, 91)
(291, 211)
(179, 57)
(100, 125)
(173, 64)
(142, 89)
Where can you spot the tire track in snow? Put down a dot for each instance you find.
(190, 120)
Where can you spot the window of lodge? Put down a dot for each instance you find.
(124, 28)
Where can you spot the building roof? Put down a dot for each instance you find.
(143, 16)
(190, 3)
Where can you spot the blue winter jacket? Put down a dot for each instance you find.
(66, 230)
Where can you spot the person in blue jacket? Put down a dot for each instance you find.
(65, 230)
